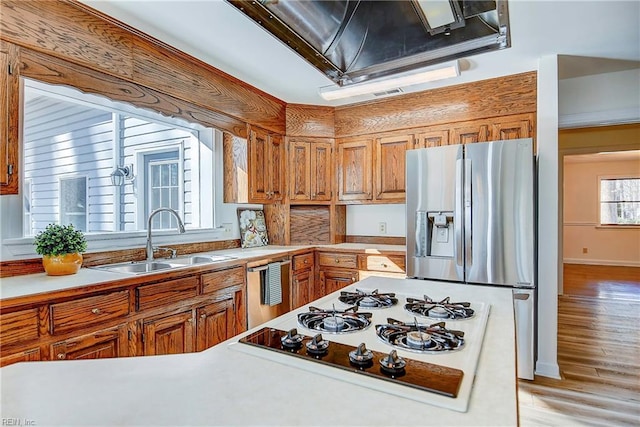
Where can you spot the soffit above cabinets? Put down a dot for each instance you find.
(352, 41)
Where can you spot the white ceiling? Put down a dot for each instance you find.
(217, 33)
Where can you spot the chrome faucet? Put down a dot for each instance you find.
(151, 215)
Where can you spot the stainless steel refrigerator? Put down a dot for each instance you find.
(471, 218)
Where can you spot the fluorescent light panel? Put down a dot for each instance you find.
(437, 12)
(443, 71)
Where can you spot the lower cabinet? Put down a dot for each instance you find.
(214, 323)
(302, 289)
(28, 355)
(334, 279)
(168, 334)
(110, 342)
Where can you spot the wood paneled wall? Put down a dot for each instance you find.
(497, 97)
(76, 33)
(310, 120)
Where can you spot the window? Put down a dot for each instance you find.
(78, 140)
(73, 202)
(26, 208)
(620, 201)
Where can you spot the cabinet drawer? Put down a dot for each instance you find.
(83, 312)
(166, 293)
(302, 262)
(386, 263)
(19, 326)
(341, 260)
(217, 280)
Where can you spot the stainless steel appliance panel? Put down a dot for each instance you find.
(524, 303)
(433, 234)
(499, 232)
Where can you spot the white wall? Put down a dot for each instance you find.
(364, 220)
(599, 99)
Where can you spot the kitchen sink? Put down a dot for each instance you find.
(141, 267)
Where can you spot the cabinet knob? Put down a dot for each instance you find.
(61, 356)
(337, 261)
(96, 311)
(384, 265)
(203, 316)
(190, 320)
(306, 261)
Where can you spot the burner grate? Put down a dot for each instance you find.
(420, 338)
(335, 321)
(444, 309)
(368, 299)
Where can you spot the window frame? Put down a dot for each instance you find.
(60, 200)
(602, 178)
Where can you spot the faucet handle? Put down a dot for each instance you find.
(174, 252)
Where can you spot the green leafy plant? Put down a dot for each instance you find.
(59, 239)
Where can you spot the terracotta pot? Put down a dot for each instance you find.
(61, 265)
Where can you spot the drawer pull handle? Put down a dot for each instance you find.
(337, 261)
(96, 311)
(203, 316)
(306, 261)
(61, 356)
(384, 265)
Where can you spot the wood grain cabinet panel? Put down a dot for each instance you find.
(110, 342)
(310, 170)
(217, 280)
(355, 176)
(266, 166)
(302, 261)
(384, 263)
(29, 355)
(84, 312)
(470, 132)
(19, 326)
(334, 279)
(337, 259)
(215, 323)
(302, 289)
(166, 293)
(9, 118)
(431, 138)
(169, 334)
(390, 167)
(511, 128)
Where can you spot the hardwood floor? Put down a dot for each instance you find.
(598, 353)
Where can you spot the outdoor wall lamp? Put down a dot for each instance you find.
(121, 173)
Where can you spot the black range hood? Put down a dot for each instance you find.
(352, 41)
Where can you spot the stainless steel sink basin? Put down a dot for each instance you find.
(136, 267)
(141, 267)
(199, 259)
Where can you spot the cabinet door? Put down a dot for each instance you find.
(110, 342)
(355, 170)
(275, 168)
(239, 296)
(9, 118)
(470, 132)
(300, 170)
(335, 279)
(514, 128)
(258, 155)
(215, 323)
(302, 288)
(390, 167)
(434, 138)
(321, 171)
(171, 334)
(30, 355)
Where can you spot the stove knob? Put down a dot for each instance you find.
(292, 339)
(393, 364)
(317, 345)
(361, 356)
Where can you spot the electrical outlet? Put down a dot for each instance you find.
(585, 250)
(382, 228)
(227, 227)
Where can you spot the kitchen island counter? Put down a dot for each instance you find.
(222, 386)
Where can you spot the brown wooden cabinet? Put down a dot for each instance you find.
(494, 129)
(28, 355)
(390, 167)
(512, 127)
(428, 138)
(168, 334)
(310, 170)
(302, 283)
(335, 271)
(355, 170)
(9, 118)
(470, 132)
(266, 166)
(215, 323)
(110, 342)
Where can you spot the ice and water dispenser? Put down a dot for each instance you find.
(434, 234)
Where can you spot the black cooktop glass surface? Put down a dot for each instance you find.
(419, 375)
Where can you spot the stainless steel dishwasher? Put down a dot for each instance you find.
(258, 312)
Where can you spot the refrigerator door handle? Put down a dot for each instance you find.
(457, 220)
(467, 214)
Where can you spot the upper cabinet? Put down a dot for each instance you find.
(266, 166)
(310, 170)
(494, 129)
(431, 138)
(9, 87)
(389, 168)
(355, 172)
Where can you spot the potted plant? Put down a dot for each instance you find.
(61, 247)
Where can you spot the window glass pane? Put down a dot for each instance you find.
(66, 132)
(620, 201)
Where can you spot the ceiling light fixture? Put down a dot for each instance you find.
(425, 75)
(439, 16)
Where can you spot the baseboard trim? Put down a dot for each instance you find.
(549, 370)
(611, 262)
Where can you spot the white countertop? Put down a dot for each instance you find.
(221, 386)
(32, 284)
